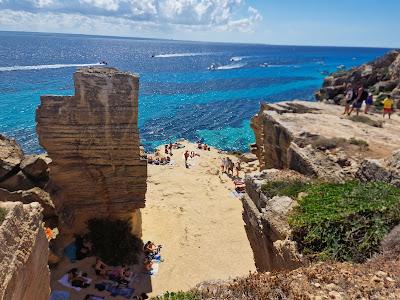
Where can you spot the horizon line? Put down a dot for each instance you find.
(193, 41)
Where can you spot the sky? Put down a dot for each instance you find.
(368, 23)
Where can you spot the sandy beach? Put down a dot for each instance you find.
(196, 218)
(193, 214)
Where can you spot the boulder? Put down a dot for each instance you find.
(266, 223)
(11, 156)
(17, 182)
(248, 157)
(386, 170)
(35, 168)
(33, 195)
(384, 86)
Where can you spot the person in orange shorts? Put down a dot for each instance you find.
(388, 106)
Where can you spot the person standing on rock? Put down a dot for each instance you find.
(223, 163)
(361, 96)
(368, 103)
(388, 106)
(349, 98)
(238, 168)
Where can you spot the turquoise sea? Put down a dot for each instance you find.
(179, 96)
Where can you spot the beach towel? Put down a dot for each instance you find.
(236, 194)
(116, 290)
(154, 270)
(70, 252)
(64, 281)
(60, 295)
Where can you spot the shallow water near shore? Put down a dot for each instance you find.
(179, 96)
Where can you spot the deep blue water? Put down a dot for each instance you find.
(179, 96)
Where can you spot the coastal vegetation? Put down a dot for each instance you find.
(125, 246)
(344, 222)
(191, 295)
(289, 188)
(3, 213)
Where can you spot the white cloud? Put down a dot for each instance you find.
(110, 5)
(212, 15)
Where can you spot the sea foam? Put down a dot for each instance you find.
(41, 67)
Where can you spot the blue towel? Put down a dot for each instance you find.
(119, 291)
(70, 252)
(59, 295)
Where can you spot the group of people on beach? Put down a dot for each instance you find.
(355, 98)
(228, 166)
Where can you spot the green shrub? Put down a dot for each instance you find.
(178, 296)
(366, 120)
(359, 142)
(345, 222)
(290, 188)
(3, 213)
(114, 242)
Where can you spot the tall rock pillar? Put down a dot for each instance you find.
(93, 140)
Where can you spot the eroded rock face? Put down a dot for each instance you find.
(24, 273)
(379, 76)
(386, 170)
(11, 156)
(266, 224)
(93, 141)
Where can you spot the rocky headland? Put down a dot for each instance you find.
(94, 168)
(381, 77)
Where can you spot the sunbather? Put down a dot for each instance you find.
(149, 248)
(76, 279)
(126, 276)
(100, 268)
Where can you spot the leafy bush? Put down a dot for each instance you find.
(359, 142)
(178, 296)
(290, 188)
(345, 222)
(366, 120)
(3, 213)
(114, 242)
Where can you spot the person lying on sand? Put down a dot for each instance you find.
(100, 268)
(126, 276)
(76, 279)
(149, 248)
(148, 266)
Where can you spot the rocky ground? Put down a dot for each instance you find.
(376, 279)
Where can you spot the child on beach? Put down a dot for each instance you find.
(368, 103)
(388, 106)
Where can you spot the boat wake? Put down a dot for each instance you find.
(181, 55)
(41, 67)
(231, 66)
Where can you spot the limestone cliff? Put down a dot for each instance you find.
(266, 224)
(24, 274)
(381, 77)
(314, 139)
(93, 141)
